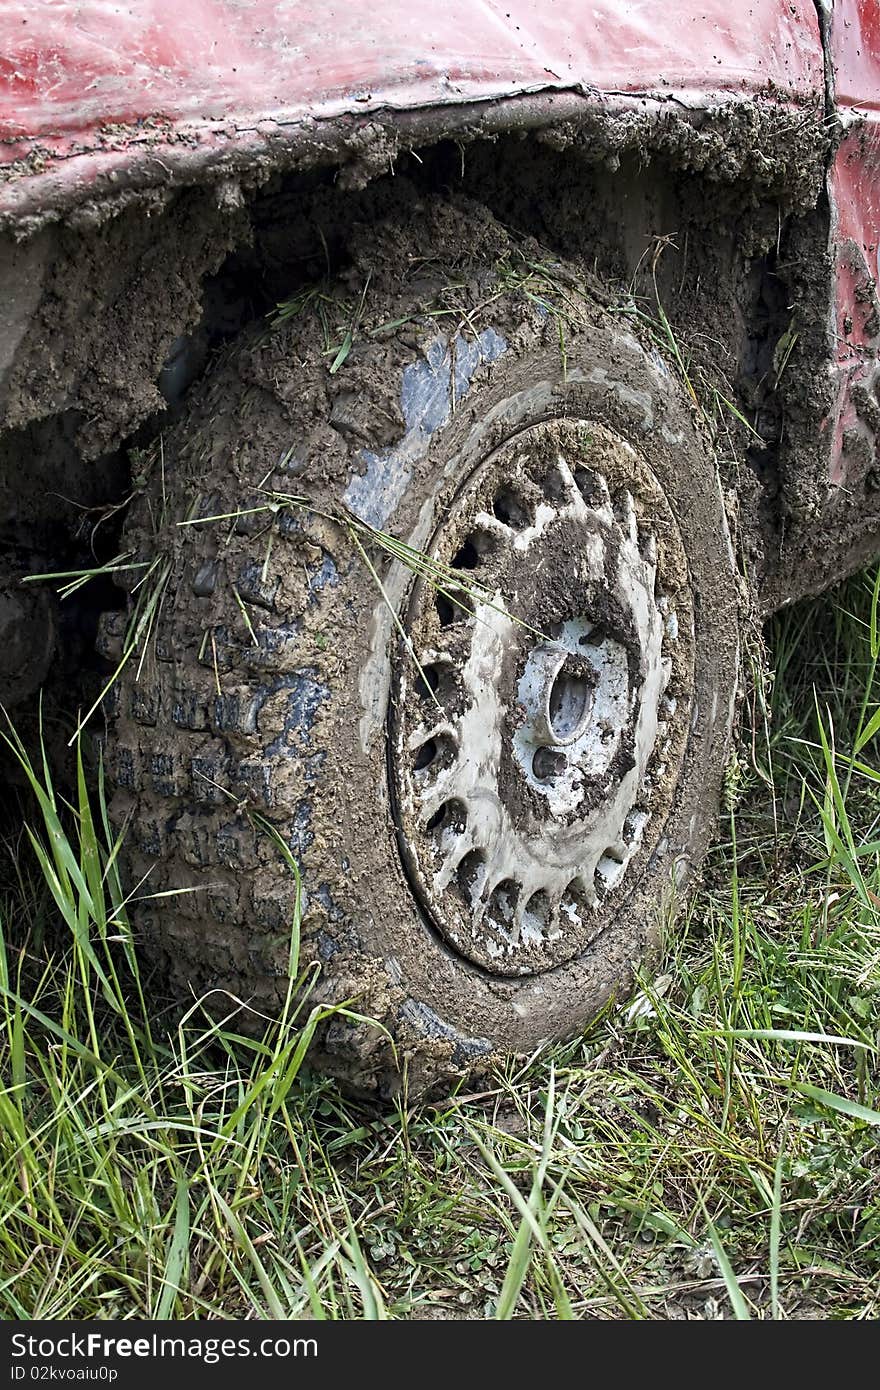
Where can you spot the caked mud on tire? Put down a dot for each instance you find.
(491, 812)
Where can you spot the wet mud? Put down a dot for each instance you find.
(423, 313)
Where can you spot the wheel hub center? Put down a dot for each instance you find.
(558, 691)
(579, 701)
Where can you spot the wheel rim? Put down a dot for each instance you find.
(536, 739)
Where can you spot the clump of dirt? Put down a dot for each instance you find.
(113, 299)
(777, 151)
(120, 287)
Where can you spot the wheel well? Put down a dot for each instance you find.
(120, 318)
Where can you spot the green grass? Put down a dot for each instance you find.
(709, 1149)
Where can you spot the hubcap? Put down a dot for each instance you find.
(536, 739)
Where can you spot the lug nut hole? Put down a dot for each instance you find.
(548, 764)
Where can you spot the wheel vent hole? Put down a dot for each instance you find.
(427, 682)
(434, 683)
(451, 609)
(609, 872)
(553, 486)
(502, 904)
(538, 915)
(647, 544)
(510, 509)
(634, 824)
(473, 552)
(622, 505)
(450, 816)
(471, 873)
(574, 909)
(434, 753)
(592, 487)
(425, 756)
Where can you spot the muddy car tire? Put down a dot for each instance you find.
(497, 765)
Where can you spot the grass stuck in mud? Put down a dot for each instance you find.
(708, 1149)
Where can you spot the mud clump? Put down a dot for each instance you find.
(112, 301)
